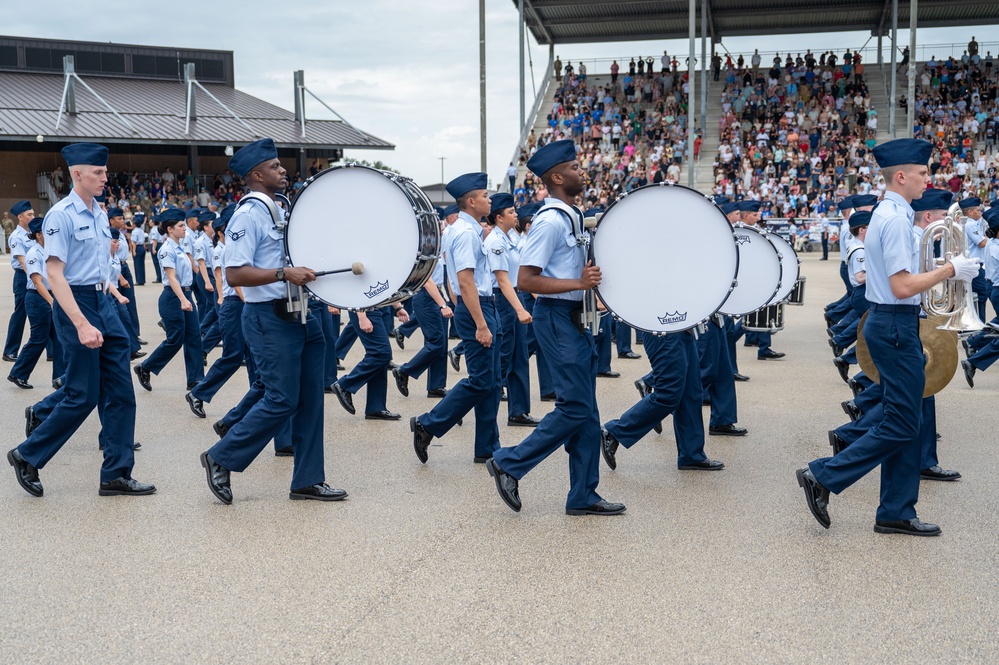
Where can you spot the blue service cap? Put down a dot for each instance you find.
(193, 212)
(88, 154)
(721, 200)
(206, 216)
(933, 199)
(593, 212)
(529, 209)
(224, 216)
(551, 155)
(466, 183)
(903, 151)
(864, 200)
(750, 205)
(730, 207)
(451, 210)
(252, 154)
(115, 234)
(101, 198)
(440, 212)
(115, 212)
(171, 215)
(35, 225)
(139, 216)
(991, 217)
(500, 201)
(970, 202)
(19, 207)
(846, 203)
(859, 219)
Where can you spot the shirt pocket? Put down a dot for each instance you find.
(85, 233)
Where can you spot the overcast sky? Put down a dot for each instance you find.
(405, 71)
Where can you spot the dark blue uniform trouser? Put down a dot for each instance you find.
(201, 296)
(289, 358)
(622, 337)
(545, 385)
(181, 331)
(15, 327)
(140, 264)
(133, 313)
(233, 352)
(479, 390)
(852, 431)
(979, 340)
(603, 342)
(372, 371)
(157, 273)
(126, 321)
(575, 421)
(433, 355)
(983, 290)
(717, 377)
(733, 331)
(514, 363)
(676, 389)
(825, 247)
(330, 326)
(893, 340)
(346, 340)
(42, 333)
(211, 334)
(89, 372)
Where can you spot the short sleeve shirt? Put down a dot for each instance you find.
(857, 262)
(976, 234)
(80, 238)
(18, 242)
(172, 256)
(552, 246)
(203, 251)
(254, 240)
(34, 260)
(890, 248)
(218, 260)
(465, 252)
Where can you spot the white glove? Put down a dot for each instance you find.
(965, 269)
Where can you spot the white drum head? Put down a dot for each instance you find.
(789, 267)
(667, 258)
(759, 272)
(347, 215)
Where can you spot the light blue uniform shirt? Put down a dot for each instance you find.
(255, 241)
(203, 251)
(890, 248)
(218, 260)
(81, 239)
(155, 236)
(115, 271)
(857, 261)
(35, 262)
(975, 231)
(465, 251)
(187, 242)
(846, 240)
(18, 242)
(992, 261)
(138, 236)
(123, 253)
(502, 255)
(551, 246)
(172, 256)
(437, 276)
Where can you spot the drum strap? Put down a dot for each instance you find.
(851, 252)
(573, 216)
(276, 214)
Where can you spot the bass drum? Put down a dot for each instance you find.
(355, 214)
(667, 258)
(798, 294)
(759, 272)
(769, 319)
(790, 267)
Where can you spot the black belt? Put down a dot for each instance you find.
(231, 299)
(86, 288)
(185, 289)
(482, 298)
(560, 303)
(896, 309)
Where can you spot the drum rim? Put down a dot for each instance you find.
(764, 233)
(773, 300)
(669, 185)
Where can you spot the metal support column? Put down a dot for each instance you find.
(881, 58)
(523, 101)
(691, 89)
(482, 85)
(893, 96)
(704, 66)
(910, 116)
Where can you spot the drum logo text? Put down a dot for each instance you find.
(380, 287)
(742, 239)
(675, 317)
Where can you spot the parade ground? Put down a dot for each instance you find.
(424, 563)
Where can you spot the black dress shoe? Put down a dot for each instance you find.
(197, 406)
(506, 485)
(643, 388)
(481, 459)
(20, 383)
(204, 360)
(382, 415)
(830, 322)
(220, 429)
(503, 395)
(346, 400)
(160, 324)
(658, 427)
(142, 342)
(705, 465)
(740, 377)
(727, 430)
(58, 383)
(401, 382)
(913, 527)
(135, 446)
(31, 421)
(850, 409)
(287, 451)
(143, 374)
(328, 390)
(437, 392)
(192, 385)
(455, 360)
(855, 386)
(601, 507)
(421, 439)
(608, 448)
(838, 444)
(938, 436)
(549, 397)
(138, 354)
(27, 475)
(10, 359)
(749, 343)
(609, 374)
(836, 348)
(317, 492)
(400, 339)
(969, 372)
(816, 495)
(339, 366)
(218, 478)
(49, 359)
(125, 487)
(770, 355)
(523, 420)
(705, 402)
(843, 367)
(630, 355)
(936, 473)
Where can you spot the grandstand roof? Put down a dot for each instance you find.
(588, 21)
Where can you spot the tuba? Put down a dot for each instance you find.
(954, 300)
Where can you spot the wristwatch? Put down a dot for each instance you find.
(279, 274)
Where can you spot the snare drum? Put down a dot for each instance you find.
(759, 272)
(790, 268)
(769, 319)
(798, 293)
(349, 214)
(666, 256)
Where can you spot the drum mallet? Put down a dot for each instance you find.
(357, 268)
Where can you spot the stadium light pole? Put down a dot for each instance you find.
(691, 90)
(910, 113)
(482, 85)
(520, 8)
(893, 98)
(442, 178)
(704, 65)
